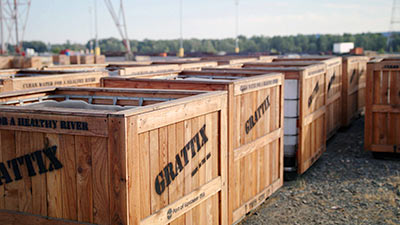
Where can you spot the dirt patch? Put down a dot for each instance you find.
(345, 186)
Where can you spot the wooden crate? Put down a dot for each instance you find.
(353, 89)
(334, 81)
(26, 62)
(255, 128)
(5, 62)
(382, 114)
(75, 59)
(28, 79)
(305, 113)
(87, 59)
(99, 59)
(61, 60)
(162, 161)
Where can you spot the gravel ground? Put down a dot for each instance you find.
(345, 186)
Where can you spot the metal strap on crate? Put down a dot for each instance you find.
(114, 99)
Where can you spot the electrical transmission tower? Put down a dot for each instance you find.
(394, 22)
(13, 19)
(120, 22)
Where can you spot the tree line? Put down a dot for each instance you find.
(311, 44)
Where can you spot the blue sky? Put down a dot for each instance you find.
(56, 21)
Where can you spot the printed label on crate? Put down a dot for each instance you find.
(353, 75)
(313, 94)
(391, 66)
(44, 123)
(334, 64)
(33, 163)
(185, 205)
(61, 82)
(315, 72)
(261, 109)
(187, 153)
(246, 87)
(331, 81)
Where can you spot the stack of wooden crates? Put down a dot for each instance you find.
(163, 144)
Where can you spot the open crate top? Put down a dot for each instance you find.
(289, 72)
(198, 80)
(282, 64)
(89, 100)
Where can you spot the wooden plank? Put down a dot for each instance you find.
(69, 192)
(134, 172)
(182, 112)
(248, 148)
(188, 171)
(84, 178)
(195, 180)
(175, 190)
(202, 172)
(385, 148)
(8, 153)
(54, 185)
(144, 149)
(17, 218)
(100, 179)
(39, 187)
(23, 147)
(2, 193)
(155, 203)
(118, 170)
(313, 116)
(188, 202)
(368, 133)
(211, 210)
(163, 160)
(219, 146)
(255, 201)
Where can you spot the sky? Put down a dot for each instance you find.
(56, 21)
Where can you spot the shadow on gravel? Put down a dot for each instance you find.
(347, 185)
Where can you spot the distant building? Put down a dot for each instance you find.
(343, 47)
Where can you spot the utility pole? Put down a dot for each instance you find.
(394, 22)
(91, 51)
(237, 50)
(181, 49)
(97, 47)
(17, 44)
(3, 45)
(121, 25)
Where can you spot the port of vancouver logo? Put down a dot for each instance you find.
(33, 163)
